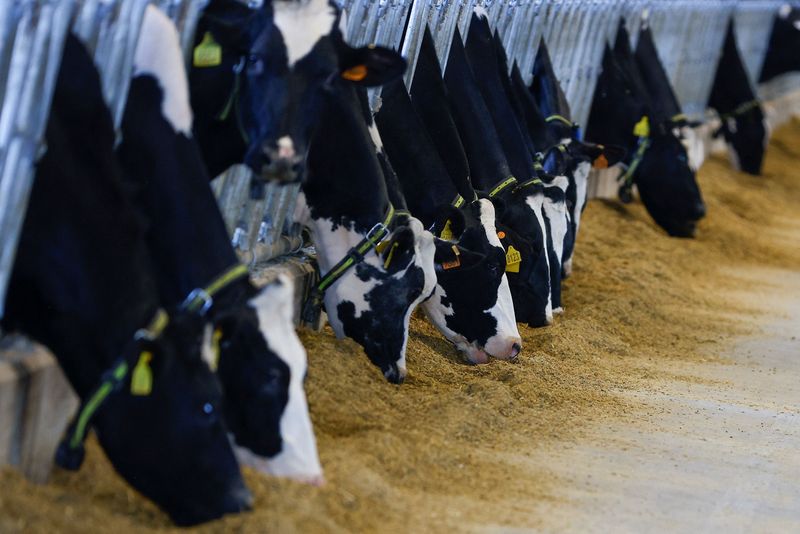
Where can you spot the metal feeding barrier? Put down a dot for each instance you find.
(258, 214)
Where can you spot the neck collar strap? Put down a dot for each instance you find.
(459, 200)
(626, 177)
(354, 256)
(71, 451)
(561, 119)
(202, 298)
(741, 109)
(500, 186)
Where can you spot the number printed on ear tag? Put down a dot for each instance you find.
(513, 260)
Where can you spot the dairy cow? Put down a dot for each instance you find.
(471, 304)
(734, 99)
(518, 204)
(623, 114)
(548, 115)
(517, 146)
(265, 405)
(784, 41)
(83, 285)
(372, 276)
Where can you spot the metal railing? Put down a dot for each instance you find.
(688, 35)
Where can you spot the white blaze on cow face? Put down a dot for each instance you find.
(693, 143)
(501, 344)
(158, 54)
(302, 25)
(298, 458)
(581, 176)
(556, 212)
(535, 203)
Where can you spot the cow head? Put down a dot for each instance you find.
(271, 411)
(472, 304)
(262, 366)
(170, 443)
(523, 235)
(260, 98)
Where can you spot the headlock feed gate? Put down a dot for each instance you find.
(688, 34)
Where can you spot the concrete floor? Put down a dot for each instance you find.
(720, 454)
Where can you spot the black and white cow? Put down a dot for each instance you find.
(471, 304)
(623, 114)
(83, 285)
(518, 209)
(548, 116)
(344, 202)
(784, 42)
(489, 65)
(663, 98)
(735, 100)
(261, 363)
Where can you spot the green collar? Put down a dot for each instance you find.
(202, 298)
(70, 451)
(354, 256)
(559, 118)
(502, 185)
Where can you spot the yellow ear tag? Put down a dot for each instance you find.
(455, 263)
(215, 351)
(355, 74)
(600, 162)
(142, 376)
(389, 257)
(447, 232)
(513, 259)
(642, 128)
(208, 53)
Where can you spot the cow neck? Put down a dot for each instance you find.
(606, 123)
(731, 92)
(186, 233)
(429, 97)
(547, 92)
(538, 129)
(483, 60)
(665, 103)
(425, 182)
(487, 161)
(82, 280)
(374, 239)
(781, 56)
(344, 184)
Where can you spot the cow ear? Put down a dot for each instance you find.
(555, 161)
(450, 256)
(449, 224)
(603, 156)
(399, 251)
(370, 66)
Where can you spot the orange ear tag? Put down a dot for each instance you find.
(501, 235)
(355, 74)
(600, 162)
(455, 263)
